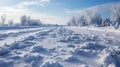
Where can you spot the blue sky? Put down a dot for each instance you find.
(52, 11)
(80, 4)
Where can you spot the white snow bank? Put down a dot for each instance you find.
(40, 49)
(51, 64)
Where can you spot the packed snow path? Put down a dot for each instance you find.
(11, 36)
(63, 47)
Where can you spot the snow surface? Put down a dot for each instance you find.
(60, 47)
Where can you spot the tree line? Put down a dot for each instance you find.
(90, 17)
(28, 21)
(24, 21)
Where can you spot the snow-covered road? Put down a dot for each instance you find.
(61, 47)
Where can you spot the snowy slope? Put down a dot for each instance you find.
(62, 47)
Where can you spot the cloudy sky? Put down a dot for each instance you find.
(52, 11)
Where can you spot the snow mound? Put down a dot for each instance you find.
(2, 36)
(69, 36)
(30, 38)
(71, 46)
(40, 49)
(44, 33)
(6, 63)
(15, 57)
(19, 45)
(84, 52)
(92, 46)
(32, 57)
(62, 31)
(110, 57)
(51, 64)
(4, 51)
(73, 59)
(29, 43)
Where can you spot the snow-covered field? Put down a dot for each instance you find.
(60, 47)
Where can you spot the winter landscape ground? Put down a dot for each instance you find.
(60, 47)
(59, 33)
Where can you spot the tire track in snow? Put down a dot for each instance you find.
(26, 50)
(20, 37)
(10, 33)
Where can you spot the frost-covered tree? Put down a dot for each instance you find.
(81, 21)
(77, 21)
(35, 22)
(23, 20)
(73, 21)
(86, 19)
(3, 19)
(10, 22)
(93, 18)
(115, 14)
(28, 21)
(69, 24)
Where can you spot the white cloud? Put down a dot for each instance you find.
(44, 0)
(29, 3)
(98, 8)
(26, 3)
(16, 12)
